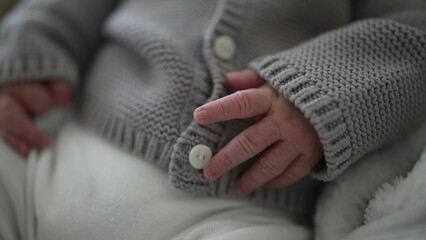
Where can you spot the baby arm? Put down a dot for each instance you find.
(291, 143)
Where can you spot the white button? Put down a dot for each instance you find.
(224, 47)
(199, 156)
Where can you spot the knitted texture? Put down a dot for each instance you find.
(362, 88)
(360, 85)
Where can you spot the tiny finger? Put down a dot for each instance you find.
(244, 79)
(11, 140)
(15, 119)
(298, 169)
(244, 146)
(239, 105)
(20, 146)
(61, 92)
(32, 135)
(269, 166)
(34, 96)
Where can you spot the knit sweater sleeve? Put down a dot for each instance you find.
(47, 39)
(361, 86)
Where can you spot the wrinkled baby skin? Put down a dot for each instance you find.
(20, 102)
(291, 143)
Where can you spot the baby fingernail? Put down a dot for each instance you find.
(236, 76)
(210, 173)
(233, 74)
(201, 114)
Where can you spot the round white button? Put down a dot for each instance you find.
(199, 156)
(224, 47)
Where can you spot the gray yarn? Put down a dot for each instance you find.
(360, 82)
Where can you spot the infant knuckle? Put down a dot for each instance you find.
(221, 105)
(276, 94)
(274, 123)
(275, 127)
(7, 104)
(227, 161)
(44, 100)
(268, 168)
(243, 102)
(8, 108)
(291, 176)
(247, 144)
(273, 93)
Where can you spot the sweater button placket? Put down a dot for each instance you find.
(199, 156)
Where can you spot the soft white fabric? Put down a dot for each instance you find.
(345, 200)
(402, 193)
(12, 194)
(398, 209)
(85, 188)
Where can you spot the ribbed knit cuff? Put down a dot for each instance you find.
(360, 86)
(320, 109)
(37, 68)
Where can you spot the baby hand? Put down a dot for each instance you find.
(291, 143)
(21, 101)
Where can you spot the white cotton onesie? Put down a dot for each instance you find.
(84, 187)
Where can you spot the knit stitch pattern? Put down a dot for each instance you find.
(144, 66)
(354, 99)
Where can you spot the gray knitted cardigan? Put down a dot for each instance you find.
(356, 69)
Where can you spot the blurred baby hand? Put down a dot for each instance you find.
(291, 143)
(19, 102)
